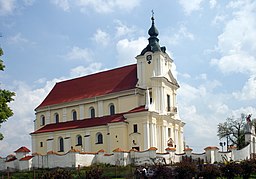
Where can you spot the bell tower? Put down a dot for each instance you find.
(154, 74)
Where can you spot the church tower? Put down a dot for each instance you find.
(154, 74)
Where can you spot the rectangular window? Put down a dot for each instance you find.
(168, 103)
(41, 144)
(151, 99)
(135, 128)
(169, 132)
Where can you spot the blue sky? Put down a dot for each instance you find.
(211, 42)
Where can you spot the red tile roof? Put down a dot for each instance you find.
(22, 149)
(11, 159)
(90, 122)
(118, 150)
(170, 149)
(26, 158)
(97, 84)
(98, 121)
(211, 148)
(188, 149)
(152, 148)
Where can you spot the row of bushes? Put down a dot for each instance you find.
(188, 170)
(182, 170)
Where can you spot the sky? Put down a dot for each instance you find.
(211, 42)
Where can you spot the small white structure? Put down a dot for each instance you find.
(20, 161)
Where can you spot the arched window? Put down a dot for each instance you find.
(79, 140)
(92, 112)
(99, 138)
(74, 115)
(111, 109)
(42, 120)
(57, 119)
(61, 144)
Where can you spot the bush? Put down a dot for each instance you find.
(57, 173)
(94, 173)
(185, 170)
(165, 172)
(230, 170)
(247, 167)
(210, 171)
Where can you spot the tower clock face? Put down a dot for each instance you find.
(149, 58)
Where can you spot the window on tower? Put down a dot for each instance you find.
(168, 103)
(135, 128)
(42, 120)
(151, 99)
(169, 132)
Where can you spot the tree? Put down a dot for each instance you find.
(6, 97)
(233, 130)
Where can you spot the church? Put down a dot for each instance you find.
(130, 107)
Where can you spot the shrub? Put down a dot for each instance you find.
(165, 172)
(57, 173)
(230, 170)
(185, 170)
(210, 171)
(94, 173)
(247, 167)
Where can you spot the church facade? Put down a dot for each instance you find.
(131, 107)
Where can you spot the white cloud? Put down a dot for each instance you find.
(213, 3)
(102, 6)
(199, 127)
(28, 2)
(190, 6)
(26, 100)
(17, 39)
(181, 34)
(236, 63)
(63, 4)
(82, 71)
(202, 76)
(7, 7)
(123, 30)
(78, 53)
(218, 19)
(249, 90)
(236, 4)
(202, 109)
(127, 50)
(101, 37)
(237, 47)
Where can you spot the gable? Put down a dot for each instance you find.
(98, 84)
(169, 76)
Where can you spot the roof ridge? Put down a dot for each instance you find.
(92, 74)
